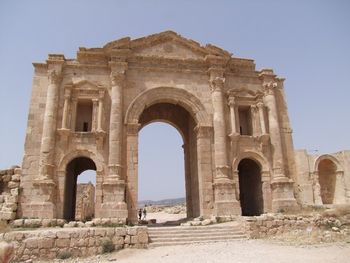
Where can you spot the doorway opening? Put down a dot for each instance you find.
(250, 185)
(327, 177)
(79, 193)
(167, 163)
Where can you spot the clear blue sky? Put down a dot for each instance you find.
(307, 42)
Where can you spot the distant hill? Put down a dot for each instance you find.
(170, 202)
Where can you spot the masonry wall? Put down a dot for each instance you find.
(76, 242)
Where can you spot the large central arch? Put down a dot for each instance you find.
(185, 112)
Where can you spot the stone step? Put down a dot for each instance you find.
(191, 233)
(187, 242)
(167, 236)
(196, 238)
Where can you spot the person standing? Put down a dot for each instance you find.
(144, 213)
(140, 213)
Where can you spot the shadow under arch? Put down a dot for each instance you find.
(327, 167)
(250, 185)
(74, 168)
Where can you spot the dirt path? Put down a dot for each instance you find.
(247, 251)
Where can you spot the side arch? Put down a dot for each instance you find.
(171, 95)
(66, 159)
(257, 157)
(328, 157)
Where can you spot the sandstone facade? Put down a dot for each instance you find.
(85, 114)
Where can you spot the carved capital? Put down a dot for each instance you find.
(231, 101)
(54, 77)
(117, 78)
(101, 94)
(67, 93)
(260, 105)
(269, 88)
(217, 84)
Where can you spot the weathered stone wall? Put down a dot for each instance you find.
(76, 242)
(308, 188)
(85, 202)
(9, 192)
(276, 225)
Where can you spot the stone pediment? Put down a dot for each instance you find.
(169, 49)
(167, 44)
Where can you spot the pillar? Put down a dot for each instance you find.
(226, 203)
(204, 170)
(132, 131)
(94, 114)
(43, 205)
(282, 187)
(232, 105)
(113, 186)
(316, 187)
(100, 111)
(65, 109)
(261, 110)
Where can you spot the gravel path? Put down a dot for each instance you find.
(254, 251)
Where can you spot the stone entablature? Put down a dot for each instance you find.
(92, 107)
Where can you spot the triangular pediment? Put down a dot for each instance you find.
(167, 44)
(169, 49)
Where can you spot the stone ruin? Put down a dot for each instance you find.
(86, 113)
(85, 202)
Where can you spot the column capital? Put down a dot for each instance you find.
(269, 88)
(260, 104)
(54, 76)
(117, 78)
(101, 94)
(231, 101)
(217, 84)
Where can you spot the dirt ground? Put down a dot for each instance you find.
(246, 251)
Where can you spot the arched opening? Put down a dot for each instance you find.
(327, 178)
(79, 195)
(250, 185)
(172, 178)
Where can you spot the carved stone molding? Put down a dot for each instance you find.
(269, 88)
(132, 128)
(203, 131)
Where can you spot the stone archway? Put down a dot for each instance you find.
(329, 186)
(250, 185)
(184, 111)
(327, 179)
(73, 169)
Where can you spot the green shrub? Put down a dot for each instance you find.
(64, 255)
(107, 246)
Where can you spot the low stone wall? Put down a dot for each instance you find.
(273, 225)
(76, 242)
(9, 191)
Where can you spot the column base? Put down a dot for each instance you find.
(283, 199)
(43, 200)
(225, 203)
(113, 202)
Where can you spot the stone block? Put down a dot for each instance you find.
(46, 242)
(63, 234)
(7, 215)
(63, 242)
(31, 243)
(132, 231)
(142, 237)
(18, 223)
(120, 231)
(100, 232)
